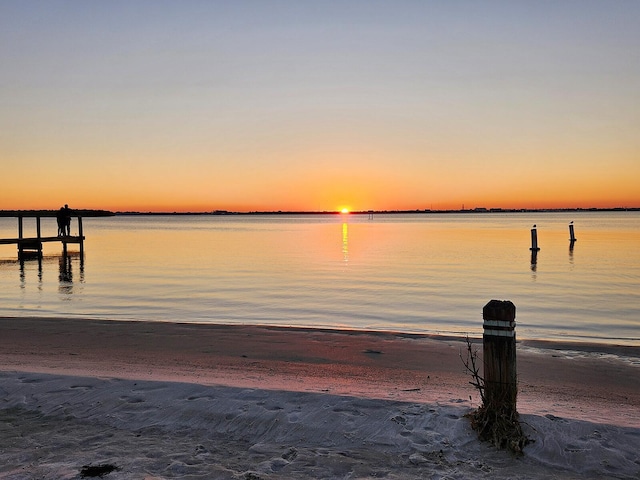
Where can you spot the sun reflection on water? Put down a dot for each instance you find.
(345, 242)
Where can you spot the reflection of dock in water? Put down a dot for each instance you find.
(70, 266)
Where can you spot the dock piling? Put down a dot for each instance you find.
(534, 239)
(39, 237)
(497, 419)
(81, 236)
(572, 236)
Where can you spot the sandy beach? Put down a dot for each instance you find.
(171, 400)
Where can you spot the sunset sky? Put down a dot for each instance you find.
(300, 105)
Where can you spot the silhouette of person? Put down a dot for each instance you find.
(60, 218)
(67, 220)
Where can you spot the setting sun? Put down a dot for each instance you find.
(344, 210)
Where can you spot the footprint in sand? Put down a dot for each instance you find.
(290, 454)
(128, 399)
(399, 419)
(82, 387)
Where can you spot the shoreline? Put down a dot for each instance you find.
(583, 381)
(169, 400)
(622, 348)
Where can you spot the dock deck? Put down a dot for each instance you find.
(32, 240)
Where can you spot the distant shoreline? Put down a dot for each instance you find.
(479, 210)
(393, 212)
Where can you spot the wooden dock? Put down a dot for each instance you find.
(31, 246)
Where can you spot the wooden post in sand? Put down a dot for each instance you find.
(499, 346)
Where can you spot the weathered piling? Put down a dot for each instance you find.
(29, 247)
(572, 235)
(534, 239)
(81, 235)
(497, 419)
(499, 346)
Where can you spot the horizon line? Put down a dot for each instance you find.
(84, 212)
(369, 212)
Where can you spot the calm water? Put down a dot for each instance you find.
(415, 273)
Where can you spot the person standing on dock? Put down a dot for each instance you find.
(61, 219)
(67, 220)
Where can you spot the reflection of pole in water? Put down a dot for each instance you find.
(81, 267)
(345, 242)
(66, 274)
(22, 275)
(571, 254)
(534, 260)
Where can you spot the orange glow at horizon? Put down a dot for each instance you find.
(359, 180)
(321, 199)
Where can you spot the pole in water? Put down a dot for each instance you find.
(534, 239)
(572, 236)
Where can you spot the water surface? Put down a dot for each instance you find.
(416, 273)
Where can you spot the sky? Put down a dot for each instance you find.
(299, 105)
